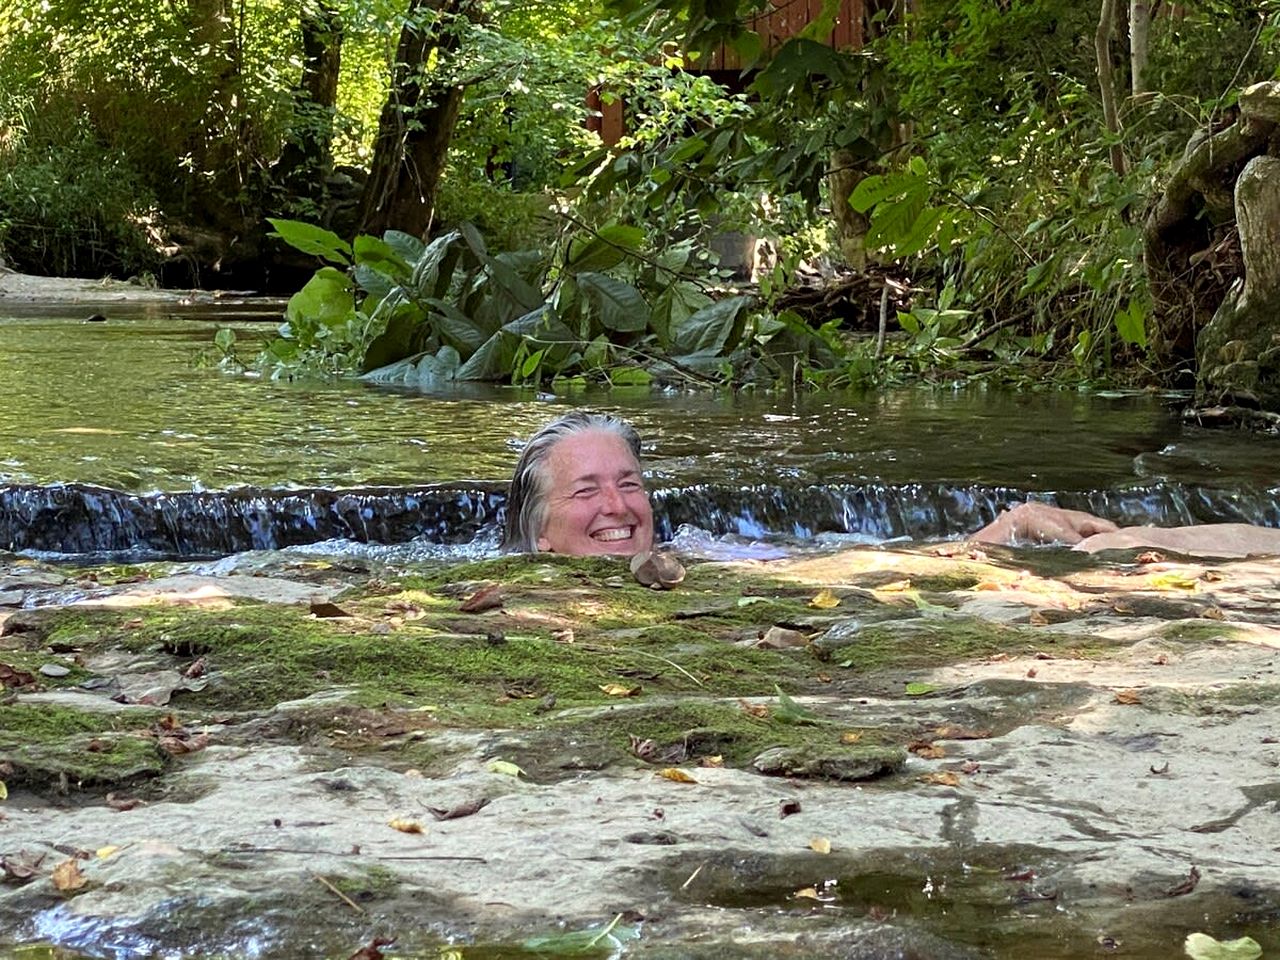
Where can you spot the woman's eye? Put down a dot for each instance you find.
(584, 493)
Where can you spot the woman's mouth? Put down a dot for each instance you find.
(611, 534)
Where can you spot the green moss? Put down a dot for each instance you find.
(1198, 631)
(47, 743)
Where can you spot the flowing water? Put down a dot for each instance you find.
(199, 461)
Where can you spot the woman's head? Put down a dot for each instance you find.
(578, 489)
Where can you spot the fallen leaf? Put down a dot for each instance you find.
(488, 598)
(918, 689)
(822, 678)
(851, 736)
(713, 761)
(1121, 607)
(185, 743)
(1213, 613)
(372, 950)
(1201, 946)
(102, 853)
(820, 845)
(405, 825)
(926, 750)
(780, 638)
(1187, 885)
(952, 731)
(1038, 619)
(970, 767)
(504, 767)
(788, 711)
(563, 636)
(123, 803)
(1151, 556)
(13, 677)
(67, 876)
(1172, 580)
(327, 611)
(456, 812)
(197, 669)
(941, 778)
(758, 710)
(22, 868)
(676, 775)
(897, 586)
(806, 893)
(787, 808)
(824, 600)
(1211, 576)
(1160, 659)
(618, 690)
(988, 585)
(1031, 673)
(641, 747)
(1128, 696)
(4, 791)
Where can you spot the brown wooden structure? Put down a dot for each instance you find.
(725, 65)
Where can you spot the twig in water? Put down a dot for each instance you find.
(605, 932)
(342, 896)
(692, 876)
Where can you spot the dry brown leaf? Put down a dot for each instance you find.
(758, 710)
(823, 678)
(1211, 576)
(405, 825)
(1128, 696)
(820, 845)
(1032, 673)
(676, 775)
(1150, 556)
(67, 876)
(926, 750)
(459, 810)
(713, 761)
(372, 950)
(488, 598)
(1038, 619)
(642, 747)
(183, 743)
(806, 893)
(970, 767)
(22, 868)
(123, 803)
(1213, 613)
(988, 585)
(897, 586)
(824, 600)
(941, 778)
(328, 611)
(619, 690)
(851, 736)
(953, 731)
(1160, 659)
(1186, 886)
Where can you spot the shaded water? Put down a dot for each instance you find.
(127, 405)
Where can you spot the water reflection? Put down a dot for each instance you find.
(124, 405)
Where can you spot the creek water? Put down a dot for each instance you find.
(137, 405)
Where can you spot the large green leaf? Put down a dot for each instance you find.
(619, 305)
(326, 300)
(712, 329)
(433, 268)
(406, 244)
(312, 239)
(380, 256)
(397, 341)
(495, 359)
(604, 249)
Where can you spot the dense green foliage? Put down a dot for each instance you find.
(973, 133)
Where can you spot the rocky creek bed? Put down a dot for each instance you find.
(917, 753)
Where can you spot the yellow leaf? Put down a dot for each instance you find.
(618, 690)
(851, 736)
(988, 585)
(1128, 696)
(942, 778)
(4, 791)
(1171, 580)
(676, 774)
(824, 600)
(808, 893)
(405, 825)
(103, 852)
(504, 767)
(67, 876)
(716, 761)
(898, 586)
(820, 845)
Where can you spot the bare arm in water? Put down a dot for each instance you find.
(1041, 523)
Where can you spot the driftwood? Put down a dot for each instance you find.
(852, 296)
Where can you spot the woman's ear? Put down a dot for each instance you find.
(543, 545)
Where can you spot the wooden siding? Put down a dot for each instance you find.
(784, 21)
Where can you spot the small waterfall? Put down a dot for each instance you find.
(81, 520)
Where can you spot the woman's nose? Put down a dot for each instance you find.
(614, 501)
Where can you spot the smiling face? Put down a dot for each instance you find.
(595, 499)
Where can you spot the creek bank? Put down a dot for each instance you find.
(1007, 755)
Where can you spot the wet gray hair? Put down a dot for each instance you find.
(526, 500)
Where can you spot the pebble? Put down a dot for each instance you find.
(54, 670)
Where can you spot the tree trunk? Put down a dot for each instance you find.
(416, 125)
(851, 226)
(307, 158)
(1139, 44)
(1107, 83)
(219, 174)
